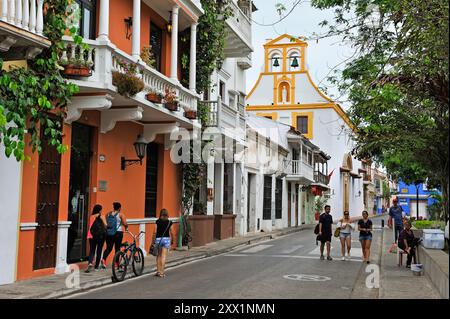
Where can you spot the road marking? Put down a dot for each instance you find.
(292, 249)
(282, 256)
(303, 277)
(356, 252)
(256, 249)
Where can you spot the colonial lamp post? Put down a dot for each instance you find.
(140, 146)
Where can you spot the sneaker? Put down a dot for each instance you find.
(103, 265)
(343, 258)
(96, 269)
(322, 258)
(349, 256)
(408, 266)
(329, 258)
(89, 268)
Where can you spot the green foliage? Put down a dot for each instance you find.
(398, 83)
(28, 96)
(319, 203)
(211, 37)
(429, 224)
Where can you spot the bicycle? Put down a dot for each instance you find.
(128, 253)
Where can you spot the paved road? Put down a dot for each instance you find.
(287, 267)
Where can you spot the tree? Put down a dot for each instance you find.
(29, 95)
(398, 84)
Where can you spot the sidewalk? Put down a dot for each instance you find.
(399, 282)
(54, 286)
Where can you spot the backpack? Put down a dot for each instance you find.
(98, 229)
(316, 229)
(111, 224)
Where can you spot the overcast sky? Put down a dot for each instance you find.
(321, 57)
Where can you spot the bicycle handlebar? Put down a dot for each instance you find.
(135, 236)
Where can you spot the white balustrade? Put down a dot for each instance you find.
(24, 14)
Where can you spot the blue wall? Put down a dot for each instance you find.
(410, 189)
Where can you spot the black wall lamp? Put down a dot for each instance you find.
(169, 25)
(128, 24)
(140, 146)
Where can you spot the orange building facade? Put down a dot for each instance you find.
(58, 192)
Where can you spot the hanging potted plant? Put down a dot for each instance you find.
(147, 56)
(127, 82)
(171, 100)
(155, 96)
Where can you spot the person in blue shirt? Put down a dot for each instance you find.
(396, 214)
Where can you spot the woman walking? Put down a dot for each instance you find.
(163, 239)
(365, 235)
(346, 227)
(116, 222)
(96, 236)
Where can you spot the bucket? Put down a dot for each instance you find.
(417, 269)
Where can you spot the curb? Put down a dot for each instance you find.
(60, 293)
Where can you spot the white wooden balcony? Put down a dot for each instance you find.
(239, 38)
(104, 57)
(21, 29)
(299, 171)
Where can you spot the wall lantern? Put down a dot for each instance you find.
(128, 25)
(276, 63)
(295, 62)
(140, 146)
(169, 25)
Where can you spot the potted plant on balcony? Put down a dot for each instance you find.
(190, 113)
(127, 82)
(171, 100)
(76, 66)
(155, 96)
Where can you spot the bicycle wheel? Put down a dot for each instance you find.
(138, 262)
(119, 266)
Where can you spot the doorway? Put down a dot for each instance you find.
(289, 205)
(47, 205)
(251, 202)
(79, 185)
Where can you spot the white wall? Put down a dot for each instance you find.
(10, 177)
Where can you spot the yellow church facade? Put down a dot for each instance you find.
(285, 92)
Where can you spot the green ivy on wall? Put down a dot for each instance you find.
(29, 95)
(211, 37)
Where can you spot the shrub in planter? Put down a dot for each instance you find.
(147, 56)
(190, 114)
(127, 84)
(77, 67)
(155, 96)
(171, 100)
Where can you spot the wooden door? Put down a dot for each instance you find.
(47, 206)
(296, 204)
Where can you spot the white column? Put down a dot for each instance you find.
(174, 57)
(61, 248)
(136, 37)
(19, 13)
(12, 11)
(103, 29)
(40, 17)
(4, 16)
(193, 61)
(33, 16)
(26, 14)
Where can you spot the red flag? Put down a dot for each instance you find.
(329, 175)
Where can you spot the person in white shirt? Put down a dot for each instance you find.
(346, 227)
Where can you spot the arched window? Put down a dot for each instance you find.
(275, 61)
(294, 61)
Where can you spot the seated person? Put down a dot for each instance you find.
(408, 243)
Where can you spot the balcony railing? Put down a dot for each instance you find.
(299, 168)
(240, 21)
(106, 59)
(320, 178)
(25, 14)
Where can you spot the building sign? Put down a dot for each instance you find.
(403, 202)
(404, 191)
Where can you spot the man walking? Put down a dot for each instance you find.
(396, 214)
(325, 232)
